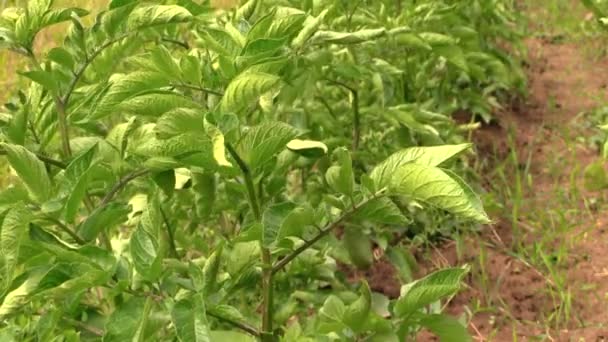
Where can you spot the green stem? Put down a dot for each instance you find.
(170, 234)
(245, 327)
(66, 229)
(267, 305)
(321, 234)
(62, 120)
(46, 160)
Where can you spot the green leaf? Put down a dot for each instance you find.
(434, 187)
(454, 55)
(472, 197)
(44, 78)
(247, 10)
(595, 178)
(311, 25)
(332, 314)
(179, 121)
(359, 248)
(12, 195)
(245, 89)
(156, 103)
(73, 186)
(307, 148)
(296, 221)
(128, 322)
(357, 312)
(230, 336)
(446, 328)
(62, 57)
(204, 188)
(272, 220)
(380, 210)
(123, 87)
(341, 177)
(430, 156)
(13, 231)
(219, 149)
(17, 298)
(149, 16)
(55, 16)
(30, 170)
(331, 37)
(228, 312)
(145, 253)
(211, 271)
(425, 291)
(437, 39)
(190, 320)
(145, 242)
(261, 143)
(103, 219)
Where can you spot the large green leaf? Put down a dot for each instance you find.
(331, 37)
(428, 290)
(432, 186)
(16, 299)
(13, 231)
(357, 312)
(123, 87)
(155, 104)
(103, 219)
(272, 220)
(31, 171)
(246, 89)
(380, 210)
(261, 143)
(430, 156)
(179, 121)
(230, 336)
(127, 323)
(148, 16)
(311, 25)
(145, 243)
(73, 186)
(190, 320)
(211, 271)
(446, 328)
(341, 177)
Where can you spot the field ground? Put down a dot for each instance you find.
(541, 271)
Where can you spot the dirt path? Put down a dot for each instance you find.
(541, 273)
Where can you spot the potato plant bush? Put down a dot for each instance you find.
(185, 173)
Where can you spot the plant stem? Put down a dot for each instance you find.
(245, 327)
(61, 114)
(170, 234)
(121, 184)
(197, 88)
(62, 119)
(46, 160)
(66, 229)
(321, 234)
(266, 257)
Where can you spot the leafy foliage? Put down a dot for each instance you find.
(183, 170)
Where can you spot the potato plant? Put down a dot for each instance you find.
(190, 174)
